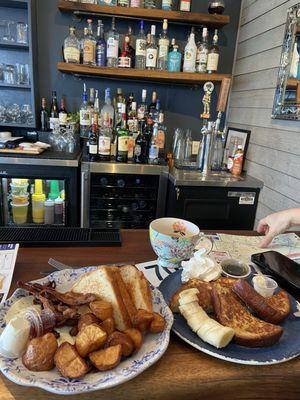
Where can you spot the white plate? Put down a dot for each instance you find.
(152, 350)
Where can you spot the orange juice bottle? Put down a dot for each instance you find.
(238, 161)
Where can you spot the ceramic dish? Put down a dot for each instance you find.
(152, 350)
(287, 348)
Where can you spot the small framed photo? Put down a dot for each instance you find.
(241, 136)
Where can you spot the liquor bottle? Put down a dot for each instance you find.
(153, 147)
(163, 48)
(216, 7)
(89, 46)
(142, 108)
(107, 2)
(148, 130)
(105, 139)
(140, 149)
(122, 139)
(62, 115)
(93, 139)
(172, 44)
(167, 5)
(91, 101)
(213, 55)
(150, 3)
(126, 59)
(161, 136)
(100, 46)
(131, 144)
(129, 103)
(112, 45)
(108, 108)
(97, 104)
(151, 50)
(140, 48)
(85, 115)
(44, 116)
(136, 3)
(119, 101)
(85, 34)
(132, 117)
(154, 114)
(202, 53)
(72, 47)
(174, 60)
(54, 119)
(185, 5)
(190, 53)
(123, 3)
(152, 105)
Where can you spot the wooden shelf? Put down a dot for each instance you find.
(13, 45)
(135, 74)
(209, 20)
(293, 83)
(15, 86)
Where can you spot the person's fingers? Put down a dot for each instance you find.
(267, 239)
(262, 226)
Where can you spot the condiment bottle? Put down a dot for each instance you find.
(38, 200)
(238, 161)
(59, 211)
(49, 212)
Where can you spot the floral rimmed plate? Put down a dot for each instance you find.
(152, 350)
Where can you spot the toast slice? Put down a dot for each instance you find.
(281, 302)
(138, 287)
(103, 282)
(249, 330)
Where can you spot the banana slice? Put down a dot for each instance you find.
(197, 320)
(188, 296)
(187, 310)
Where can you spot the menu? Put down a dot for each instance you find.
(8, 256)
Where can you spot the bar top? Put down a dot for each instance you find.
(49, 158)
(223, 179)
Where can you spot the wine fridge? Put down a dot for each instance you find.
(128, 196)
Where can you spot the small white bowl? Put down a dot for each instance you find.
(264, 285)
(235, 268)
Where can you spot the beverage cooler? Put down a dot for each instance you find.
(127, 196)
(38, 195)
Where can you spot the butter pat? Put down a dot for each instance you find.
(14, 338)
(200, 267)
(19, 306)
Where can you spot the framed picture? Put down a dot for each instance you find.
(241, 136)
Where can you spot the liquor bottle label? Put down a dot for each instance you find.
(185, 5)
(213, 62)
(71, 54)
(130, 147)
(85, 118)
(124, 62)
(112, 48)
(104, 146)
(163, 48)
(151, 58)
(140, 47)
(124, 3)
(89, 51)
(153, 152)
(135, 3)
(100, 55)
(93, 149)
(174, 62)
(137, 150)
(63, 118)
(53, 122)
(160, 139)
(123, 143)
(166, 5)
(141, 112)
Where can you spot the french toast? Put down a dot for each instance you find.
(249, 330)
(204, 296)
(281, 302)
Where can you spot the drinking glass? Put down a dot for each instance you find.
(2, 113)
(22, 33)
(178, 134)
(26, 114)
(179, 152)
(22, 74)
(9, 31)
(9, 74)
(13, 113)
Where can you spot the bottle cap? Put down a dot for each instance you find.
(54, 190)
(59, 201)
(49, 203)
(240, 147)
(38, 194)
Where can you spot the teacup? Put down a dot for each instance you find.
(173, 240)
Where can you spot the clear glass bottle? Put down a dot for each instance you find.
(152, 50)
(100, 46)
(190, 54)
(97, 105)
(150, 3)
(89, 46)
(213, 55)
(136, 3)
(72, 47)
(93, 139)
(167, 5)
(153, 157)
(122, 139)
(202, 53)
(119, 101)
(108, 108)
(152, 105)
(113, 46)
(105, 139)
(217, 153)
(163, 48)
(140, 48)
(161, 136)
(174, 60)
(85, 115)
(142, 108)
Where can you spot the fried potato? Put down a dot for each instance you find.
(90, 338)
(108, 325)
(106, 359)
(136, 337)
(158, 323)
(142, 320)
(102, 309)
(124, 340)
(87, 319)
(68, 361)
(39, 354)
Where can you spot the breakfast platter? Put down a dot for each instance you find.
(150, 351)
(287, 348)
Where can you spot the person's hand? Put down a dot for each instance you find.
(273, 225)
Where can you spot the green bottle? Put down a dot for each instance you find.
(122, 138)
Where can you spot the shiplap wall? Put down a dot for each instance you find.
(274, 150)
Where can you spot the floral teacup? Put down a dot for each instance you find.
(173, 240)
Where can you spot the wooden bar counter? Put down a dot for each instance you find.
(183, 372)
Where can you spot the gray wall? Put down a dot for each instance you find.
(183, 104)
(274, 151)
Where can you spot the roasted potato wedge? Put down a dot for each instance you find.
(90, 338)
(136, 337)
(106, 359)
(39, 354)
(142, 320)
(101, 309)
(108, 325)
(68, 361)
(158, 324)
(124, 340)
(87, 319)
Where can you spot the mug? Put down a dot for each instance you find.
(173, 240)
